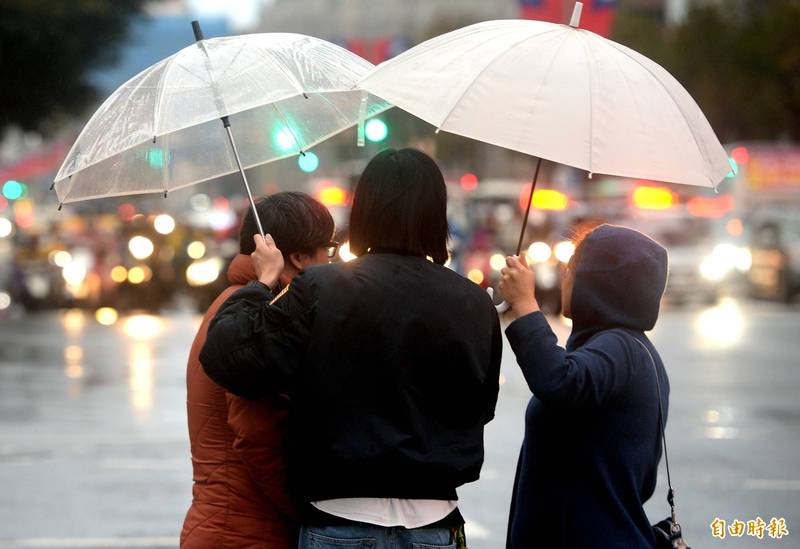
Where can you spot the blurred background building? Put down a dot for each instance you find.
(706, 43)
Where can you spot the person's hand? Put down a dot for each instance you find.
(267, 260)
(517, 284)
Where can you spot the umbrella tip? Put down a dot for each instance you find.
(576, 15)
(198, 32)
(60, 205)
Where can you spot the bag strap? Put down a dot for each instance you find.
(671, 492)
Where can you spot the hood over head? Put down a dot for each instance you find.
(620, 276)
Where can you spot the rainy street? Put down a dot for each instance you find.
(94, 449)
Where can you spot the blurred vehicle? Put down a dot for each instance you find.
(494, 210)
(766, 181)
(703, 261)
(775, 245)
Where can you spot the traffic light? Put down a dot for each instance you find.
(308, 162)
(734, 168)
(14, 190)
(283, 139)
(156, 157)
(376, 130)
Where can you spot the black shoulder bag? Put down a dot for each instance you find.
(667, 532)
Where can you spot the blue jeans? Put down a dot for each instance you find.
(362, 536)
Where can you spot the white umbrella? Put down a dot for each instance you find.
(277, 95)
(560, 93)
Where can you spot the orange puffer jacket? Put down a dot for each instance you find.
(240, 497)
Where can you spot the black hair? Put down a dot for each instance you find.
(297, 223)
(400, 204)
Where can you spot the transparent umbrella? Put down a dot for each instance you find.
(216, 107)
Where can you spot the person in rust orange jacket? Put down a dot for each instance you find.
(240, 497)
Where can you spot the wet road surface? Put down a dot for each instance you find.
(94, 450)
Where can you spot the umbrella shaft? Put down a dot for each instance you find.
(528, 209)
(227, 125)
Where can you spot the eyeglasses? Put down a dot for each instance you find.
(332, 247)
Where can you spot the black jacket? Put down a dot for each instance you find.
(392, 365)
(592, 444)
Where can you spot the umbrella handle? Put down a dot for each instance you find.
(503, 307)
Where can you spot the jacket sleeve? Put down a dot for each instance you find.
(588, 377)
(492, 382)
(259, 429)
(256, 341)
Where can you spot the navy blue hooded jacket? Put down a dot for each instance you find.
(592, 442)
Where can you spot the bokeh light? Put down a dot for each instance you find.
(13, 189)
(476, 275)
(564, 250)
(136, 275)
(74, 273)
(62, 258)
(539, 252)
(140, 247)
(308, 162)
(345, 253)
(376, 130)
(497, 261)
(119, 274)
(106, 316)
(201, 273)
(164, 224)
(6, 227)
(143, 327)
(196, 249)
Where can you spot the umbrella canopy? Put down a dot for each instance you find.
(560, 93)
(160, 131)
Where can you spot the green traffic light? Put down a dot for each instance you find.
(283, 139)
(734, 168)
(376, 130)
(156, 157)
(308, 162)
(13, 189)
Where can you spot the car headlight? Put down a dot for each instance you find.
(539, 252)
(713, 268)
(201, 273)
(546, 276)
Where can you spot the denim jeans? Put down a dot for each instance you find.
(362, 536)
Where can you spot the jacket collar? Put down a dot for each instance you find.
(241, 270)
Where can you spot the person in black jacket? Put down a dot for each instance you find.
(592, 443)
(391, 362)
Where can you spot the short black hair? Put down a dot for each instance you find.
(297, 223)
(400, 204)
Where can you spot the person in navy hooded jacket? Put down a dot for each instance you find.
(592, 444)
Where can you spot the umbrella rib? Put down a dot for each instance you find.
(159, 98)
(286, 73)
(324, 96)
(636, 103)
(700, 148)
(228, 68)
(489, 64)
(288, 126)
